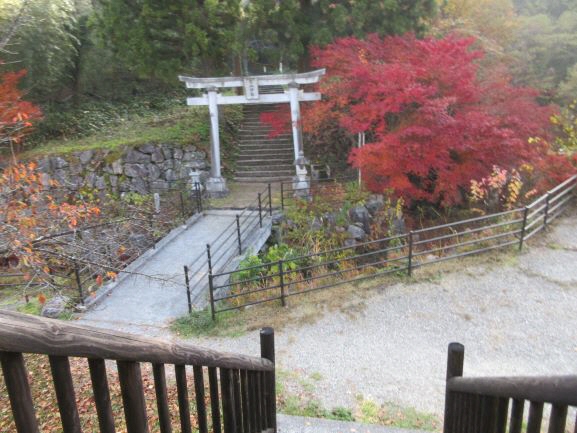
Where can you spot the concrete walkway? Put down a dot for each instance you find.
(146, 300)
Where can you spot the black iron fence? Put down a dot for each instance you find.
(234, 236)
(79, 261)
(481, 404)
(395, 254)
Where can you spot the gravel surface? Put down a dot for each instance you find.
(515, 317)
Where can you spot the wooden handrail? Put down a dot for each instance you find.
(560, 390)
(32, 334)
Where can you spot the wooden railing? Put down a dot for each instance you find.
(481, 404)
(246, 401)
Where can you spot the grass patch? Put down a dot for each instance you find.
(31, 307)
(179, 126)
(389, 414)
(200, 323)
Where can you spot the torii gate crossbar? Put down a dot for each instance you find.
(216, 183)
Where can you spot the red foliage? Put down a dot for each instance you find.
(434, 122)
(16, 114)
(279, 121)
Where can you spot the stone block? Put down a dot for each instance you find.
(85, 156)
(135, 157)
(136, 170)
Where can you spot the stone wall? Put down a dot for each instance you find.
(142, 169)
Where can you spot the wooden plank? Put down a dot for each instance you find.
(227, 401)
(561, 390)
(65, 395)
(253, 401)
(558, 419)
(535, 417)
(214, 400)
(183, 405)
(237, 401)
(101, 395)
(516, 422)
(200, 401)
(246, 416)
(159, 373)
(502, 413)
(62, 338)
(132, 396)
(16, 379)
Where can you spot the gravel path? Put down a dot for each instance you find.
(514, 317)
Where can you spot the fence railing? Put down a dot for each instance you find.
(85, 257)
(240, 389)
(234, 236)
(489, 404)
(395, 254)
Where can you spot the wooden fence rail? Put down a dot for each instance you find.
(488, 404)
(247, 384)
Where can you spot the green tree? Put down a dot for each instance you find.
(163, 38)
(42, 42)
(292, 27)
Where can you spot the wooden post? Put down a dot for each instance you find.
(187, 282)
(102, 395)
(267, 352)
(132, 396)
(161, 398)
(455, 361)
(16, 380)
(523, 228)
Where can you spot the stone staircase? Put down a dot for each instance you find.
(262, 158)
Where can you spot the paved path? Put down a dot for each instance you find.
(146, 301)
(517, 316)
(299, 424)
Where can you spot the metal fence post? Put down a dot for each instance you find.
(182, 211)
(269, 199)
(259, 210)
(281, 278)
(267, 352)
(151, 225)
(198, 197)
(410, 257)
(210, 282)
(522, 238)
(78, 282)
(238, 234)
(187, 282)
(455, 360)
(546, 217)
(282, 196)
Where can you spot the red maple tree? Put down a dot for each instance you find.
(16, 114)
(434, 121)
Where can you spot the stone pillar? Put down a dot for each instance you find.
(216, 184)
(295, 117)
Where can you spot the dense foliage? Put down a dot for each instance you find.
(433, 122)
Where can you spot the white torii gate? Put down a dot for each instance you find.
(216, 183)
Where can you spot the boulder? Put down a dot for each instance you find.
(178, 153)
(170, 175)
(117, 167)
(147, 148)
(138, 184)
(58, 163)
(136, 170)
(167, 151)
(375, 204)
(153, 172)
(54, 307)
(85, 156)
(360, 214)
(157, 156)
(134, 157)
(356, 232)
(100, 183)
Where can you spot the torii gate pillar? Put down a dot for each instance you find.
(216, 184)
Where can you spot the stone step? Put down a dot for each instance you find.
(264, 173)
(245, 156)
(265, 137)
(265, 143)
(264, 146)
(272, 179)
(262, 161)
(265, 166)
(300, 424)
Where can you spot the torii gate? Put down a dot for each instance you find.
(216, 183)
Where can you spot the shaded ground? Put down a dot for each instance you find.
(515, 313)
